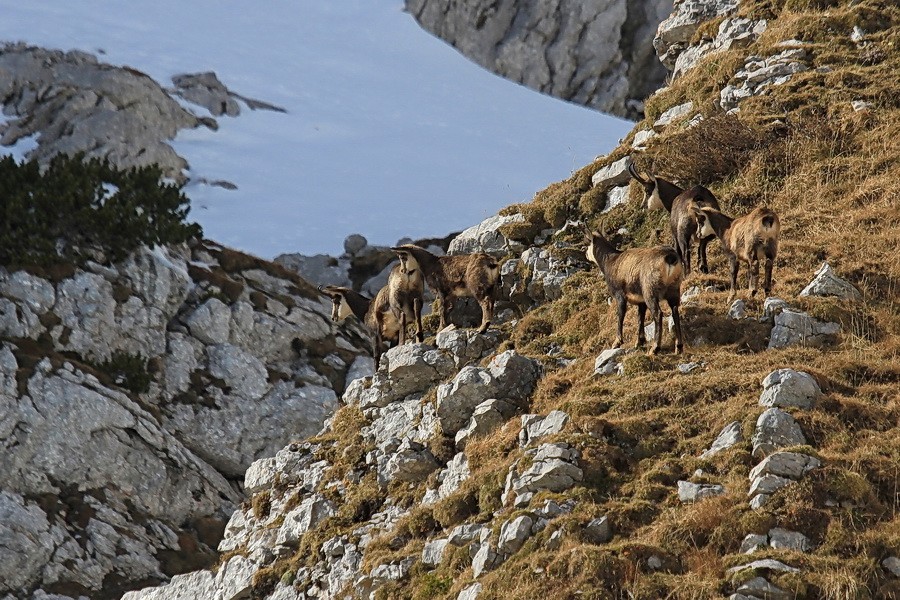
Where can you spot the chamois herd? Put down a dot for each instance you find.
(644, 277)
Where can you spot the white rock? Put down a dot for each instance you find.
(775, 429)
(606, 363)
(787, 388)
(738, 310)
(792, 465)
(768, 484)
(613, 175)
(598, 530)
(514, 533)
(758, 587)
(535, 427)
(642, 138)
(488, 416)
(753, 542)
(728, 437)
(485, 237)
(470, 593)
(791, 540)
(767, 564)
(433, 552)
(892, 564)
(827, 283)
(693, 492)
(676, 113)
(616, 196)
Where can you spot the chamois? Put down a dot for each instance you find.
(388, 315)
(750, 238)
(641, 276)
(679, 203)
(465, 275)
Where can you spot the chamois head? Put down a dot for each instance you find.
(649, 184)
(340, 308)
(408, 262)
(597, 246)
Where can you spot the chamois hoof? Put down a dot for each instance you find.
(654, 350)
(704, 270)
(679, 348)
(640, 343)
(617, 343)
(484, 327)
(420, 337)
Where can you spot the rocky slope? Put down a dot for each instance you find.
(133, 399)
(593, 52)
(538, 462)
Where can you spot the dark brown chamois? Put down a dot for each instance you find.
(750, 238)
(641, 276)
(464, 275)
(388, 315)
(679, 203)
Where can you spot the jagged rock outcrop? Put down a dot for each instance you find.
(74, 103)
(593, 52)
(129, 401)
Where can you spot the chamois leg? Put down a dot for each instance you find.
(701, 255)
(377, 344)
(767, 284)
(403, 325)
(446, 307)
(641, 336)
(683, 247)
(676, 321)
(735, 265)
(753, 274)
(621, 305)
(487, 312)
(656, 315)
(417, 310)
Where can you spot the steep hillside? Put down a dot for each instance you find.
(763, 463)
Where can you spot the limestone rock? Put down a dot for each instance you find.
(767, 484)
(312, 510)
(210, 322)
(206, 90)
(792, 465)
(606, 363)
(488, 415)
(485, 237)
(535, 427)
(753, 542)
(514, 533)
(411, 462)
(738, 310)
(465, 345)
(758, 587)
(319, 269)
(759, 73)
(781, 539)
(677, 30)
(674, 114)
(470, 593)
(787, 388)
(693, 492)
(598, 530)
(618, 195)
(728, 437)
(827, 283)
(768, 564)
(553, 468)
(775, 429)
(486, 559)
(433, 553)
(612, 175)
(599, 55)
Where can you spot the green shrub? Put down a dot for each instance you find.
(75, 208)
(128, 371)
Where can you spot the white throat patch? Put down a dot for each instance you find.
(590, 254)
(344, 311)
(707, 229)
(653, 201)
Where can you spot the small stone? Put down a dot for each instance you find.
(892, 564)
(800, 329)
(655, 563)
(612, 175)
(674, 114)
(768, 484)
(555, 540)
(616, 196)
(693, 492)
(759, 587)
(485, 560)
(470, 593)
(791, 540)
(728, 437)
(753, 542)
(598, 530)
(861, 106)
(766, 563)
(606, 363)
(738, 310)
(758, 501)
(642, 138)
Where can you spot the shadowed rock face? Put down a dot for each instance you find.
(593, 52)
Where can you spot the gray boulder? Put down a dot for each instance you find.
(799, 328)
(612, 175)
(210, 322)
(411, 462)
(470, 592)
(485, 237)
(827, 283)
(319, 269)
(554, 468)
(676, 31)
(433, 552)
(312, 510)
(465, 345)
(775, 429)
(598, 530)
(675, 114)
(787, 388)
(792, 465)
(607, 362)
(206, 90)
(485, 559)
(783, 539)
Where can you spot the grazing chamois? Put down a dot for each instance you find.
(465, 275)
(750, 238)
(679, 203)
(394, 307)
(641, 276)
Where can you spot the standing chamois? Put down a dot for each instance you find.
(641, 276)
(680, 204)
(394, 307)
(750, 238)
(465, 275)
